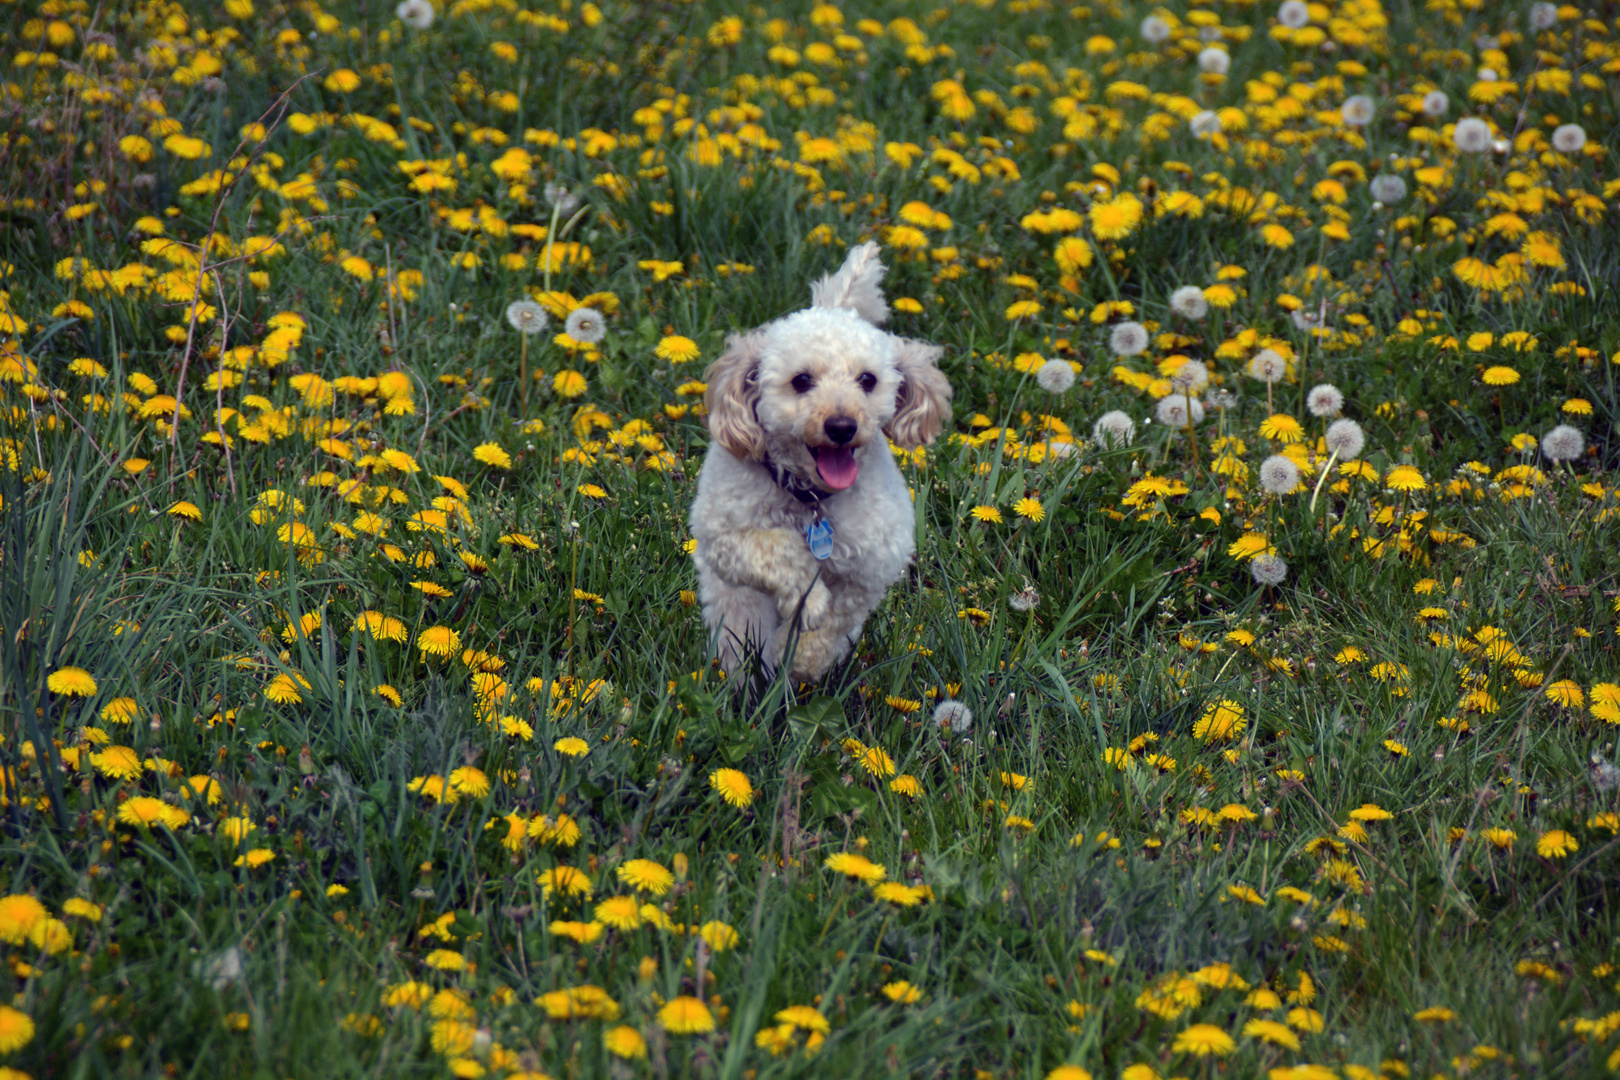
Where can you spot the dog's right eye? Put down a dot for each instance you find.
(803, 381)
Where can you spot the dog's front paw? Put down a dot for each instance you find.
(811, 607)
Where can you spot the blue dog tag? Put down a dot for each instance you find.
(818, 534)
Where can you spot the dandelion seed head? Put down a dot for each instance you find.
(527, 317)
(1268, 366)
(1268, 569)
(1563, 443)
(1214, 61)
(1345, 438)
(1324, 399)
(1471, 135)
(1190, 377)
(955, 713)
(1114, 429)
(1179, 411)
(1436, 103)
(1055, 376)
(1205, 123)
(1189, 302)
(1387, 188)
(560, 197)
(1543, 16)
(585, 324)
(1128, 339)
(1279, 475)
(1294, 14)
(1568, 138)
(1155, 30)
(416, 14)
(1358, 111)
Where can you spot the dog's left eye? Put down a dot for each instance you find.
(803, 381)
(867, 381)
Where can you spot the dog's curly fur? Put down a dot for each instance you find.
(788, 403)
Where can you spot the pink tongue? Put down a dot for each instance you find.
(837, 466)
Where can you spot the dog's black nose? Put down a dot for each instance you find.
(840, 429)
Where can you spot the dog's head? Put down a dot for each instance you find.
(816, 389)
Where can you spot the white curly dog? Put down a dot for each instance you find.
(802, 518)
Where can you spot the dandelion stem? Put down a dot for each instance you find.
(523, 376)
(1323, 478)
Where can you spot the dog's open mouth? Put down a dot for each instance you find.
(836, 465)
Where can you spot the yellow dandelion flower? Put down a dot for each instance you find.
(569, 383)
(619, 912)
(677, 349)
(1404, 478)
(733, 786)
(16, 1031)
(1499, 375)
(856, 866)
(571, 746)
(119, 762)
(902, 992)
(625, 1042)
(987, 514)
(492, 454)
(1204, 1040)
(71, 682)
(644, 875)
(439, 641)
(876, 761)
(1222, 721)
(1031, 509)
(1555, 844)
(686, 1015)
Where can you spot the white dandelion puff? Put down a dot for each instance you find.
(1155, 30)
(560, 197)
(1268, 569)
(1268, 366)
(1387, 188)
(527, 317)
(1055, 376)
(1294, 14)
(1205, 123)
(1543, 16)
(1471, 135)
(1189, 302)
(1358, 111)
(416, 14)
(1128, 339)
(1345, 439)
(1436, 103)
(1191, 377)
(1563, 443)
(1279, 474)
(1568, 138)
(1179, 411)
(1214, 61)
(1325, 399)
(1114, 430)
(953, 712)
(586, 325)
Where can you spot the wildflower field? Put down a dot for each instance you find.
(1251, 709)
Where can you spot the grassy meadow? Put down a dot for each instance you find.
(1251, 709)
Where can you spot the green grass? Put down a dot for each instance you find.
(1095, 875)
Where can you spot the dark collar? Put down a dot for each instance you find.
(807, 494)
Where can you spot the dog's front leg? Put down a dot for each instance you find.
(778, 563)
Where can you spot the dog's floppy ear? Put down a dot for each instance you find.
(923, 405)
(732, 394)
(856, 285)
